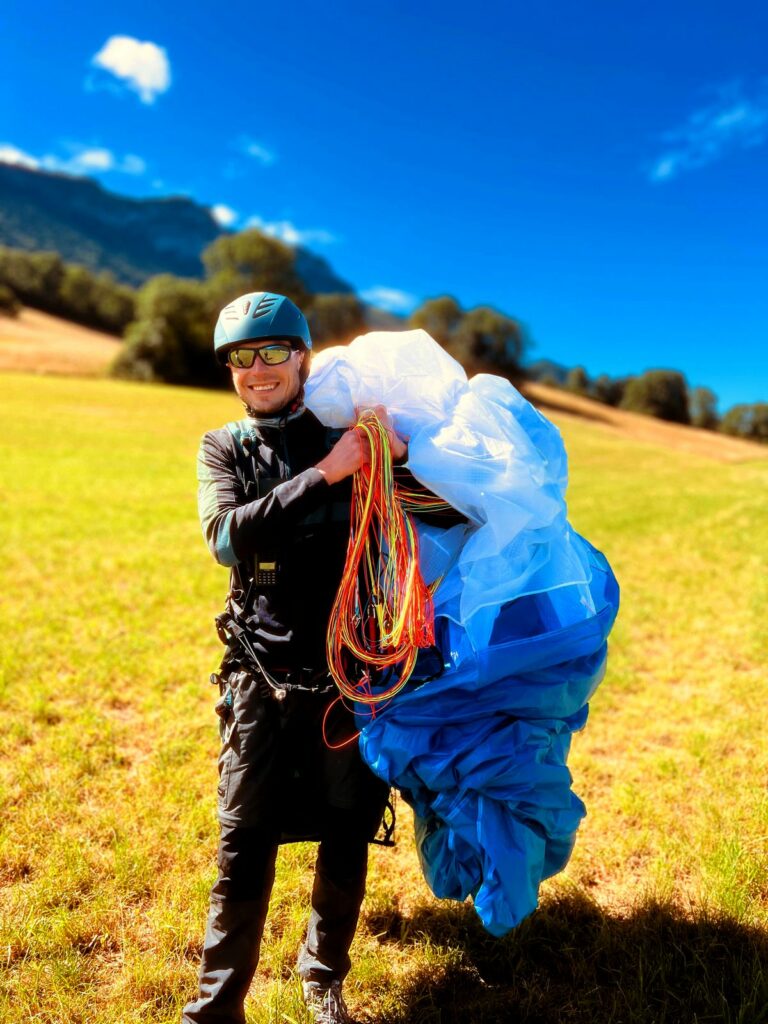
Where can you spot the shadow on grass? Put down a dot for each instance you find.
(573, 963)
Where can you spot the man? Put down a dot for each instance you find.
(274, 498)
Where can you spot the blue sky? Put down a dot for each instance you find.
(598, 170)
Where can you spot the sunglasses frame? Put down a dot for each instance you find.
(282, 345)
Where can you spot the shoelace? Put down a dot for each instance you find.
(332, 1009)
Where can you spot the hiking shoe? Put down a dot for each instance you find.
(326, 1003)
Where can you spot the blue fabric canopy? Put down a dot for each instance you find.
(522, 614)
(480, 754)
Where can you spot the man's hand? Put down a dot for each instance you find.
(351, 451)
(345, 458)
(397, 444)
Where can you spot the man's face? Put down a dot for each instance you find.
(265, 389)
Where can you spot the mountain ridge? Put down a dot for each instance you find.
(134, 239)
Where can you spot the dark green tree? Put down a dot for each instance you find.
(608, 390)
(171, 337)
(42, 280)
(439, 317)
(487, 339)
(335, 318)
(747, 420)
(660, 393)
(170, 340)
(9, 304)
(577, 381)
(77, 292)
(251, 261)
(35, 277)
(96, 300)
(703, 406)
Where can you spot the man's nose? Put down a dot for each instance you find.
(259, 366)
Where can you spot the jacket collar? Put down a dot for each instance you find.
(278, 419)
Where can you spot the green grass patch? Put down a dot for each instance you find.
(108, 747)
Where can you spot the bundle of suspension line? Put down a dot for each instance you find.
(383, 612)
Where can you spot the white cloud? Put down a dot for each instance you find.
(82, 160)
(287, 232)
(732, 122)
(93, 160)
(259, 152)
(391, 299)
(224, 214)
(142, 66)
(96, 159)
(11, 155)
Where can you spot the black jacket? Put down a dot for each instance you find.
(264, 505)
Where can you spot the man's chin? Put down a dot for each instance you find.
(262, 403)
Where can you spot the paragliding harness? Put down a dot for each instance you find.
(237, 624)
(369, 671)
(234, 627)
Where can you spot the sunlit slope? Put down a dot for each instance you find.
(564, 406)
(36, 342)
(109, 738)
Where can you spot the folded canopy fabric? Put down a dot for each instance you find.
(522, 616)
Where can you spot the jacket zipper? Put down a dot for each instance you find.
(286, 467)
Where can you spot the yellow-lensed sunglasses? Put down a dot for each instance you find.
(270, 355)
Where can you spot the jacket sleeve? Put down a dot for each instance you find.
(235, 528)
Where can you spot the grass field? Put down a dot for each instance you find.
(108, 742)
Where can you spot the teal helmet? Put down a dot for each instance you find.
(260, 316)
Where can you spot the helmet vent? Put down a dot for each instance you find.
(265, 305)
(246, 307)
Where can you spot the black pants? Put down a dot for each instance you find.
(279, 779)
(284, 763)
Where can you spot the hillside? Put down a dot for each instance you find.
(133, 238)
(36, 342)
(564, 406)
(62, 347)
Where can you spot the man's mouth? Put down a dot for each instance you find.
(262, 387)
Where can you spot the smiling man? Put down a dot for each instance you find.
(274, 498)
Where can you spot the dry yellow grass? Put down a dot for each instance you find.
(674, 436)
(38, 343)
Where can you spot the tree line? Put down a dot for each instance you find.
(167, 326)
(170, 338)
(666, 395)
(44, 281)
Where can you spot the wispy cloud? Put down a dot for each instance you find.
(143, 67)
(93, 160)
(391, 299)
(259, 152)
(131, 164)
(287, 232)
(733, 121)
(224, 214)
(81, 160)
